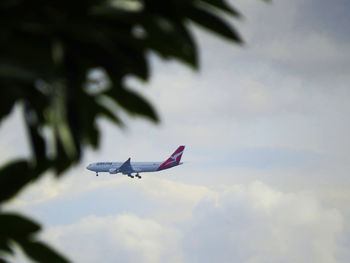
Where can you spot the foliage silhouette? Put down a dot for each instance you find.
(47, 49)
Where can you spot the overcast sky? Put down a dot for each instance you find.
(267, 159)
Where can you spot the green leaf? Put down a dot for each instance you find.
(4, 246)
(132, 102)
(26, 53)
(7, 100)
(221, 4)
(8, 3)
(213, 23)
(15, 72)
(14, 226)
(109, 114)
(13, 177)
(37, 141)
(61, 162)
(106, 46)
(170, 38)
(40, 252)
(13, 91)
(86, 121)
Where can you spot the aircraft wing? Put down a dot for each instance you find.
(126, 168)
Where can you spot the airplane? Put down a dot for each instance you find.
(128, 167)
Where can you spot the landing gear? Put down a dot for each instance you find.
(96, 173)
(130, 175)
(138, 176)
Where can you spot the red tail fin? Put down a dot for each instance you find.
(174, 159)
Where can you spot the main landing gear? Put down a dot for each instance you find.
(96, 173)
(136, 175)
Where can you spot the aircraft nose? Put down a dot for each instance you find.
(88, 167)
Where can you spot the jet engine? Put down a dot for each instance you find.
(113, 170)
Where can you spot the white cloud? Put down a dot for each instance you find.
(256, 223)
(122, 238)
(234, 223)
(172, 201)
(50, 188)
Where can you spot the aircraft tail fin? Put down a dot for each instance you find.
(174, 159)
(178, 153)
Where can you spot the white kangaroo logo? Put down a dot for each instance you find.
(174, 157)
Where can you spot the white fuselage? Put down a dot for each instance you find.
(129, 168)
(138, 167)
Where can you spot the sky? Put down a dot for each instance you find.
(267, 160)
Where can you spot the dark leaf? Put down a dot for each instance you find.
(10, 92)
(7, 101)
(40, 252)
(13, 91)
(27, 54)
(132, 102)
(213, 23)
(109, 114)
(13, 177)
(221, 4)
(4, 246)
(36, 140)
(9, 3)
(106, 49)
(170, 38)
(14, 226)
(62, 161)
(13, 72)
(92, 136)
(87, 120)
